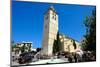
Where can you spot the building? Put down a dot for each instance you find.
(67, 44)
(28, 45)
(33, 49)
(20, 48)
(50, 31)
(50, 34)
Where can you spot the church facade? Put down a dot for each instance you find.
(68, 44)
(50, 34)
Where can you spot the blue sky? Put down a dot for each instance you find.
(27, 20)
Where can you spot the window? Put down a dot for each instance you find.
(53, 17)
(71, 40)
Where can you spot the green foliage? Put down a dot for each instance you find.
(14, 46)
(23, 48)
(56, 45)
(74, 44)
(90, 24)
(38, 49)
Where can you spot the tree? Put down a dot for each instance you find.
(23, 48)
(74, 44)
(13, 45)
(38, 49)
(56, 45)
(90, 24)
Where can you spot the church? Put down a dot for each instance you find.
(50, 34)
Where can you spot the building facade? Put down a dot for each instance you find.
(27, 45)
(68, 44)
(50, 31)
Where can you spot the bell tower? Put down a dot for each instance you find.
(50, 31)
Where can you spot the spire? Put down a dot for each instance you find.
(52, 8)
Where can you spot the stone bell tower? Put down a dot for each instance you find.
(50, 31)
